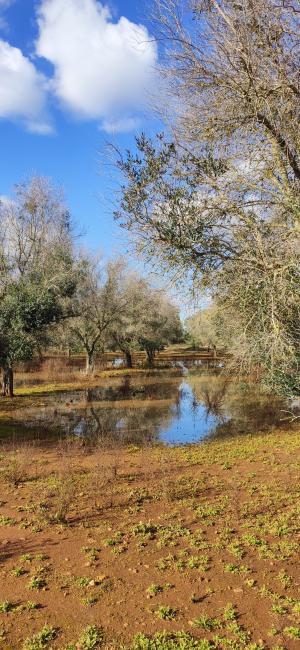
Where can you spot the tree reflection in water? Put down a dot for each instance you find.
(148, 409)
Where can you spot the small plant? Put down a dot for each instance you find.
(230, 613)
(146, 530)
(236, 549)
(164, 641)
(89, 602)
(117, 543)
(226, 466)
(27, 557)
(296, 607)
(91, 553)
(19, 571)
(82, 581)
(59, 499)
(285, 579)
(250, 582)
(166, 613)
(278, 609)
(91, 637)
(234, 568)
(40, 640)
(7, 521)
(41, 557)
(206, 623)
(15, 470)
(30, 605)
(37, 582)
(153, 590)
(6, 606)
(292, 632)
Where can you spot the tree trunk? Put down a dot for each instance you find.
(128, 357)
(89, 367)
(150, 356)
(8, 382)
(4, 382)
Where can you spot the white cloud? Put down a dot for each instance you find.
(4, 4)
(120, 125)
(23, 90)
(103, 69)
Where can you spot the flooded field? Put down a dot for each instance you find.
(149, 408)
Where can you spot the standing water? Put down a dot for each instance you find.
(147, 409)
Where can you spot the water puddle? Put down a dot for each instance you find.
(163, 408)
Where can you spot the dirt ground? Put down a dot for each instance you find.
(159, 548)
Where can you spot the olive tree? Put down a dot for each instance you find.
(220, 201)
(258, 299)
(38, 271)
(98, 304)
(162, 326)
(204, 327)
(129, 325)
(147, 320)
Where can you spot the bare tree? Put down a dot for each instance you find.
(220, 201)
(236, 68)
(97, 307)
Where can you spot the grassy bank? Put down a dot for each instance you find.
(159, 548)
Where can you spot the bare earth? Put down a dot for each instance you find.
(103, 545)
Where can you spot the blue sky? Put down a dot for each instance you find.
(73, 75)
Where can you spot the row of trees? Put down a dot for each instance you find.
(116, 309)
(220, 200)
(51, 293)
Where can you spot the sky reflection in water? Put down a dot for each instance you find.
(149, 409)
(191, 420)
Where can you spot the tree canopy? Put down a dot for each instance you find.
(38, 270)
(219, 201)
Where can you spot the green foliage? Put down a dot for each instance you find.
(36, 582)
(40, 640)
(91, 552)
(19, 571)
(292, 632)
(230, 613)
(153, 590)
(166, 613)
(164, 641)
(206, 623)
(39, 273)
(220, 204)
(83, 581)
(90, 638)
(26, 310)
(30, 605)
(6, 606)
